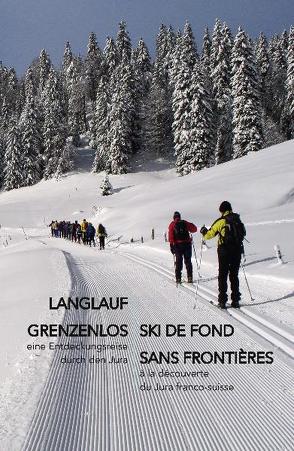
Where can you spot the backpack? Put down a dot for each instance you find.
(235, 231)
(102, 230)
(84, 226)
(90, 230)
(181, 232)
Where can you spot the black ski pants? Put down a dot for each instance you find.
(102, 242)
(183, 251)
(90, 239)
(228, 265)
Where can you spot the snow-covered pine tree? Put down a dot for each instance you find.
(9, 92)
(5, 116)
(121, 117)
(159, 115)
(77, 121)
(201, 149)
(31, 140)
(67, 57)
(215, 43)
(40, 74)
(206, 50)
(44, 66)
(159, 139)
(141, 63)
(100, 126)
(284, 39)
(165, 44)
(4, 125)
(221, 89)
(181, 104)
(54, 128)
(4, 81)
(29, 86)
(271, 132)
(162, 47)
(9, 106)
(247, 118)
(13, 169)
(2, 163)
(106, 187)
(34, 70)
(185, 50)
(110, 57)
(66, 63)
(123, 43)
(170, 45)
(188, 46)
(65, 162)
(288, 113)
(185, 61)
(12, 92)
(263, 61)
(216, 40)
(278, 78)
(92, 67)
(247, 136)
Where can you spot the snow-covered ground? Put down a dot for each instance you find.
(45, 405)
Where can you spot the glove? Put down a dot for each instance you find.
(172, 248)
(203, 230)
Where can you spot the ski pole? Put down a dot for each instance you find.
(196, 292)
(201, 251)
(251, 297)
(197, 286)
(195, 255)
(174, 258)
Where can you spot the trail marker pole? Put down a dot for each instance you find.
(278, 254)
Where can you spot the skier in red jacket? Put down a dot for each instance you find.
(181, 245)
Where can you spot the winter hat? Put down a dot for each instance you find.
(177, 215)
(225, 206)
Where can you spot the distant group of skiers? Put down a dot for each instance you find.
(83, 232)
(230, 231)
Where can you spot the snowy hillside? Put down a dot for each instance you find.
(46, 405)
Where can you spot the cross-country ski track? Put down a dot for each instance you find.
(101, 407)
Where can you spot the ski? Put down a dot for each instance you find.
(226, 308)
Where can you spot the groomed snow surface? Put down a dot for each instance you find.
(49, 405)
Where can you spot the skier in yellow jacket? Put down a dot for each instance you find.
(231, 232)
(84, 225)
(102, 234)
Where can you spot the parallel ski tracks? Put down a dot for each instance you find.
(100, 408)
(277, 336)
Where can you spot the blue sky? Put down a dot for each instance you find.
(27, 26)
